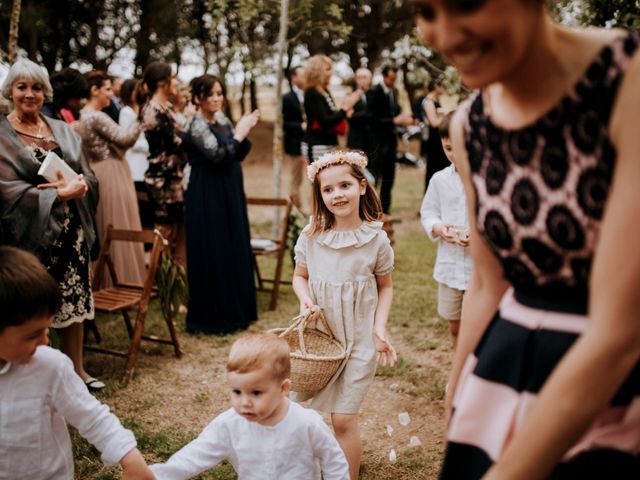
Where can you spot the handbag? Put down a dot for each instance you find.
(339, 129)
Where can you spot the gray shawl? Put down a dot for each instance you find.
(30, 218)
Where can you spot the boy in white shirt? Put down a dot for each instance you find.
(445, 219)
(39, 388)
(264, 435)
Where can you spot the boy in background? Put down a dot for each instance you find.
(445, 219)
(39, 388)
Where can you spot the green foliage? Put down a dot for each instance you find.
(296, 224)
(173, 289)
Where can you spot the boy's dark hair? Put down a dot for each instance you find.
(445, 123)
(27, 290)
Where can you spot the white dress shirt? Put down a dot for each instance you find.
(35, 400)
(445, 202)
(297, 448)
(138, 155)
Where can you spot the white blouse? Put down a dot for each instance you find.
(445, 202)
(35, 400)
(299, 447)
(138, 154)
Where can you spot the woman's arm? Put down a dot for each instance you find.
(122, 137)
(586, 379)
(487, 284)
(431, 112)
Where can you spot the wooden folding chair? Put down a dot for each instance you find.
(274, 247)
(124, 296)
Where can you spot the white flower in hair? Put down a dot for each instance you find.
(335, 158)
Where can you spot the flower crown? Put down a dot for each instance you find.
(335, 158)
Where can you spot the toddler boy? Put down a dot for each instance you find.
(39, 388)
(264, 435)
(445, 219)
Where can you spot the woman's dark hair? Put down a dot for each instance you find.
(27, 290)
(67, 84)
(127, 89)
(201, 87)
(155, 73)
(96, 78)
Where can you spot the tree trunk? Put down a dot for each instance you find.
(13, 31)
(277, 131)
(253, 95)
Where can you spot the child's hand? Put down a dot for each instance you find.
(307, 306)
(445, 232)
(134, 467)
(385, 353)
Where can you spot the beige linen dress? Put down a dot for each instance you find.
(342, 268)
(104, 143)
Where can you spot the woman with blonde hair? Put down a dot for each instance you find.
(325, 121)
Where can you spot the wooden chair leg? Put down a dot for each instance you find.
(135, 342)
(276, 283)
(127, 322)
(90, 326)
(257, 270)
(174, 336)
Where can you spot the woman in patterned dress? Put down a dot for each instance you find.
(53, 220)
(546, 378)
(166, 159)
(103, 144)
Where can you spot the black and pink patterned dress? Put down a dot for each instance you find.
(541, 192)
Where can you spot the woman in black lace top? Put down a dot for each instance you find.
(546, 377)
(54, 220)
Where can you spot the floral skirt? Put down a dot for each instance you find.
(68, 263)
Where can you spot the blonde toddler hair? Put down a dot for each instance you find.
(256, 350)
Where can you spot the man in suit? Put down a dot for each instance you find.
(359, 135)
(294, 126)
(386, 114)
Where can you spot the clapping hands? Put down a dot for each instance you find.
(245, 124)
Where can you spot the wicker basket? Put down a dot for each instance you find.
(315, 356)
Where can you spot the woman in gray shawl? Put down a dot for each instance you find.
(51, 219)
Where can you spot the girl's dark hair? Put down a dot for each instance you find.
(96, 78)
(68, 83)
(202, 86)
(127, 90)
(155, 73)
(370, 208)
(27, 290)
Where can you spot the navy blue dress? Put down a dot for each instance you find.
(222, 294)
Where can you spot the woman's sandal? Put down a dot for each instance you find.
(94, 385)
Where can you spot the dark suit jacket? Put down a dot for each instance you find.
(383, 129)
(292, 123)
(359, 135)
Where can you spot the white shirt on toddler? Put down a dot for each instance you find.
(446, 202)
(35, 400)
(299, 447)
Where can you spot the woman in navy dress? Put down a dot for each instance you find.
(222, 295)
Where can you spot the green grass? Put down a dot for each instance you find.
(413, 324)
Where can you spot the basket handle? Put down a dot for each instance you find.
(300, 323)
